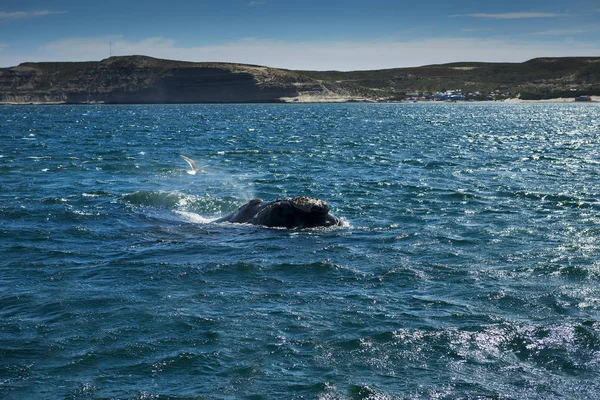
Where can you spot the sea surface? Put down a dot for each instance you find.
(468, 266)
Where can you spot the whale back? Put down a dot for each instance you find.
(245, 213)
(278, 213)
(299, 212)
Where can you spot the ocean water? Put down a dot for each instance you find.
(469, 266)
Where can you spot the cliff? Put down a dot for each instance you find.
(140, 79)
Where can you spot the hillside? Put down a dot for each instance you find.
(537, 78)
(140, 79)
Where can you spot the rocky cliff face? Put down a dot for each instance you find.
(139, 79)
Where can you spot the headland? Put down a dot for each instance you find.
(147, 80)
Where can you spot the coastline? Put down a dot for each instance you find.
(140, 79)
(315, 99)
(594, 99)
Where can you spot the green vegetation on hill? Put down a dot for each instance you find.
(543, 77)
(140, 79)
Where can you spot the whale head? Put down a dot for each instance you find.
(310, 205)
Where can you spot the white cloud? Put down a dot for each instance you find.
(341, 55)
(512, 15)
(4, 16)
(559, 32)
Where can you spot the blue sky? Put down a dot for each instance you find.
(307, 34)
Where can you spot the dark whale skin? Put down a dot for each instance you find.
(298, 212)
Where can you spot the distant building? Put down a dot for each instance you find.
(455, 95)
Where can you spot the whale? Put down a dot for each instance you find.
(290, 213)
(296, 212)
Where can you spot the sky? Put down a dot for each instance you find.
(303, 34)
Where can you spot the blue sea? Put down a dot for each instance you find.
(468, 266)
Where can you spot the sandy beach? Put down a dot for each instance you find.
(557, 100)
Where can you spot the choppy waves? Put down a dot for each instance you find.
(469, 268)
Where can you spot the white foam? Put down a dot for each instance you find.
(193, 217)
(344, 223)
(85, 213)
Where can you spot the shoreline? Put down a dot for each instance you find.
(594, 99)
(326, 99)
